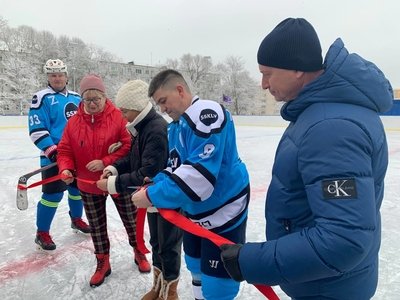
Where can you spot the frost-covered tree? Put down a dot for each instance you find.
(21, 74)
(172, 63)
(23, 52)
(195, 66)
(238, 85)
(47, 47)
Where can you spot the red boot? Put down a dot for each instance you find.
(141, 261)
(77, 224)
(44, 241)
(102, 271)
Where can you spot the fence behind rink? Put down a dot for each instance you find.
(391, 122)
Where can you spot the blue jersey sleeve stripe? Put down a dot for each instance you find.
(166, 171)
(227, 216)
(185, 188)
(243, 192)
(203, 171)
(38, 140)
(37, 130)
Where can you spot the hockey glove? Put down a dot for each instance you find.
(230, 259)
(51, 153)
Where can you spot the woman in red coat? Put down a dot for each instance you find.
(94, 138)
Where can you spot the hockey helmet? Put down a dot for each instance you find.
(55, 66)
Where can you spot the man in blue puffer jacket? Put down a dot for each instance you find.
(323, 202)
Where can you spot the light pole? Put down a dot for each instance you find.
(2, 95)
(73, 77)
(74, 44)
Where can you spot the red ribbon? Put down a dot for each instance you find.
(140, 216)
(193, 228)
(174, 218)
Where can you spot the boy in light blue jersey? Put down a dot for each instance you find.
(49, 112)
(205, 177)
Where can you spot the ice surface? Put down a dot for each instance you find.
(26, 273)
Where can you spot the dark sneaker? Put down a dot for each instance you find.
(44, 241)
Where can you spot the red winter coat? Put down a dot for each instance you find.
(86, 138)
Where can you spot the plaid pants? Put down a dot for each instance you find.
(95, 209)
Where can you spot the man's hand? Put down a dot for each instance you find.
(230, 259)
(102, 184)
(140, 199)
(67, 177)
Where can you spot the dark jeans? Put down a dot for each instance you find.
(166, 243)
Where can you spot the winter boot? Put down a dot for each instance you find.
(77, 224)
(102, 271)
(141, 261)
(44, 241)
(155, 289)
(169, 290)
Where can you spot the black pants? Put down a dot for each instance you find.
(166, 243)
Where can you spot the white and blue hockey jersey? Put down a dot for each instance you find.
(48, 115)
(205, 176)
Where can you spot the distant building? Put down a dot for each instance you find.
(395, 110)
(21, 75)
(14, 101)
(396, 93)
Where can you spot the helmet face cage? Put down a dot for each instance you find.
(55, 66)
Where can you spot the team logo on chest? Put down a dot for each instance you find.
(208, 116)
(70, 110)
(174, 159)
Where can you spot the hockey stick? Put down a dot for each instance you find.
(22, 192)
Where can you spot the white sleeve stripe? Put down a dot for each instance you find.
(39, 135)
(195, 181)
(224, 214)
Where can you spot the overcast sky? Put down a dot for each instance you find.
(150, 31)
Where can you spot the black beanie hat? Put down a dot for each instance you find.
(292, 45)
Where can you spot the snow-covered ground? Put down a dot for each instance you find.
(26, 273)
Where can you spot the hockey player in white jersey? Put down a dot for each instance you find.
(205, 177)
(49, 112)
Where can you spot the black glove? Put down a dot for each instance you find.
(51, 153)
(53, 156)
(230, 259)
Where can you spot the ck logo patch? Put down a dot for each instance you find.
(339, 188)
(208, 116)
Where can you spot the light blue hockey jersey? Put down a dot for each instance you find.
(205, 176)
(48, 115)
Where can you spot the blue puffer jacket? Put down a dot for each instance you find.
(322, 207)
